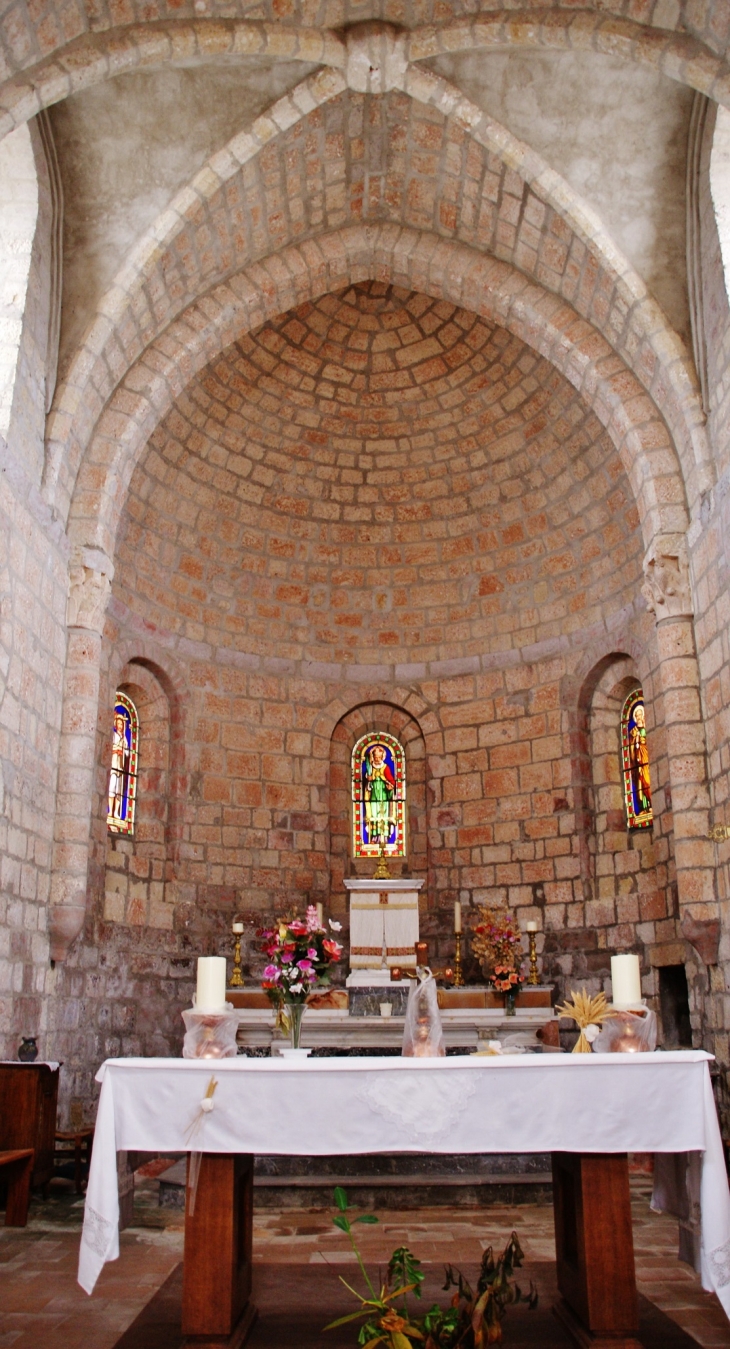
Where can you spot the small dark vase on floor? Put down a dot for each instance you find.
(28, 1052)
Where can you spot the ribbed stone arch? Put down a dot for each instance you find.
(46, 60)
(520, 210)
(415, 261)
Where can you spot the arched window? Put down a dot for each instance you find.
(378, 796)
(122, 788)
(635, 762)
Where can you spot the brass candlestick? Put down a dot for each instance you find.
(237, 976)
(458, 976)
(381, 872)
(532, 977)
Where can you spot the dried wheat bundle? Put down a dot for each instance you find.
(586, 1011)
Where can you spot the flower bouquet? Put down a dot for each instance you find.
(497, 944)
(300, 953)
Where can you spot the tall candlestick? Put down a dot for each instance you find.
(237, 973)
(458, 975)
(320, 914)
(532, 977)
(457, 915)
(626, 981)
(210, 994)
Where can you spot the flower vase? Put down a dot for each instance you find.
(295, 1012)
(509, 1004)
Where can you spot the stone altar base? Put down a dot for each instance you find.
(295, 1301)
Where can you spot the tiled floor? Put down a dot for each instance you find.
(42, 1307)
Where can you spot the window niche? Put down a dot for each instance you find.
(137, 861)
(612, 749)
(674, 1005)
(363, 726)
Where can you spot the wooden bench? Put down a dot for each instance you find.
(18, 1166)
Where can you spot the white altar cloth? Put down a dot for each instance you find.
(659, 1102)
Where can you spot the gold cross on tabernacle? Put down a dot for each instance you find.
(383, 896)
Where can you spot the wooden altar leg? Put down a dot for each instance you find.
(216, 1311)
(595, 1250)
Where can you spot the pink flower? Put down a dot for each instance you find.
(312, 919)
(312, 953)
(305, 965)
(271, 972)
(298, 927)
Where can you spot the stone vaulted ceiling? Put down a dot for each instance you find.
(378, 475)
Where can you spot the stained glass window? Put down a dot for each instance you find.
(635, 762)
(378, 796)
(122, 789)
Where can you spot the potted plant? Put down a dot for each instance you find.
(300, 953)
(472, 1318)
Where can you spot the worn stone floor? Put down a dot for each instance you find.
(42, 1305)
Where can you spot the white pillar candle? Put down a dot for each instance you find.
(210, 994)
(320, 915)
(238, 929)
(625, 981)
(532, 927)
(457, 915)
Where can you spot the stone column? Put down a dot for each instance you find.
(90, 585)
(667, 593)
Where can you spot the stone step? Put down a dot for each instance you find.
(404, 1181)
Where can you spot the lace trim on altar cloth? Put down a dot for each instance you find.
(429, 1110)
(97, 1232)
(719, 1262)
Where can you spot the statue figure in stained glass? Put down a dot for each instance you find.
(640, 758)
(122, 781)
(379, 794)
(635, 755)
(119, 771)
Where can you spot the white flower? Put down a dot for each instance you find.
(296, 988)
(591, 1033)
(336, 927)
(206, 1104)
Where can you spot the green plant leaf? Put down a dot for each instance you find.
(400, 1341)
(341, 1199)
(340, 1221)
(367, 1218)
(351, 1316)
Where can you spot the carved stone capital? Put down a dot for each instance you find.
(666, 586)
(90, 583)
(376, 58)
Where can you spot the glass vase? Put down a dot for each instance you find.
(509, 1004)
(295, 1012)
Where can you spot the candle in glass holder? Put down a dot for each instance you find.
(626, 981)
(457, 915)
(210, 995)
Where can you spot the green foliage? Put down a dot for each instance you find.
(472, 1320)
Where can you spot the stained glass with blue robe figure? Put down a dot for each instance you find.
(122, 790)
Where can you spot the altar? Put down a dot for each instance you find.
(383, 927)
(225, 1112)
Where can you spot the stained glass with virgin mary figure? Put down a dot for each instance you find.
(378, 796)
(635, 762)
